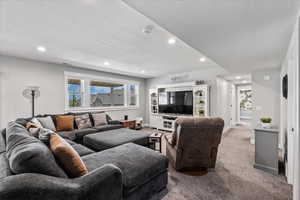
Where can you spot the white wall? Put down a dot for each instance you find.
(224, 101)
(266, 96)
(17, 73)
(208, 75)
(290, 108)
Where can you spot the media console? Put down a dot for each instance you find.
(165, 121)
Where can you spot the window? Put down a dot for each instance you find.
(104, 94)
(74, 93)
(91, 92)
(132, 94)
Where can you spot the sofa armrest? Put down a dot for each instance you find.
(114, 122)
(104, 183)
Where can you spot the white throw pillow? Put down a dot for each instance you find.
(47, 123)
(99, 119)
(36, 122)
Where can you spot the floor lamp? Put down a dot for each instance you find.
(31, 92)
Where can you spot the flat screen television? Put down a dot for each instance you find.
(175, 102)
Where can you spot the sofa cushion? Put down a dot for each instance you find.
(108, 127)
(99, 119)
(3, 141)
(4, 166)
(138, 164)
(68, 158)
(47, 123)
(81, 150)
(108, 139)
(83, 121)
(27, 154)
(76, 133)
(64, 122)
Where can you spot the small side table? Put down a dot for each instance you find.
(266, 149)
(155, 140)
(128, 123)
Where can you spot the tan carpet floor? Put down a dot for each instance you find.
(233, 179)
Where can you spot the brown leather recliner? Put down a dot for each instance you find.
(194, 143)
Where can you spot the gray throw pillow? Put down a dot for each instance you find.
(44, 135)
(99, 119)
(47, 123)
(27, 154)
(83, 121)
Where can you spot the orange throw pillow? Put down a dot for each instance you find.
(67, 157)
(65, 123)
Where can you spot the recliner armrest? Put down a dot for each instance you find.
(104, 183)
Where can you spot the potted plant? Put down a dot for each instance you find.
(266, 122)
(201, 112)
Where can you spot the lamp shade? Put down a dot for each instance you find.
(28, 91)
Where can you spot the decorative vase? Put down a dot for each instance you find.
(266, 125)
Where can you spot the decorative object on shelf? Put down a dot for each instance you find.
(199, 93)
(266, 122)
(201, 102)
(201, 112)
(31, 92)
(125, 117)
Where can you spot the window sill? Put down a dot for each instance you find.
(90, 109)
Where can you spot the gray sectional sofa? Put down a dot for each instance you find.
(127, 171)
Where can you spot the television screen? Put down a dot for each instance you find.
(177, 102)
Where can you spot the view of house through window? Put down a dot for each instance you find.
(75, 95)
(100, 94)
(104, 94)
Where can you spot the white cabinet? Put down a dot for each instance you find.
(201, 100)
(166, 121)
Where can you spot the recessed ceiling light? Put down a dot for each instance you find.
(106, 63)
(203, 59)
(238, 77)
(172, 41)
(41, 49)
(143, 71)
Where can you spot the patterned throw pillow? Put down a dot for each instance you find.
(99, 119)
(83, 121)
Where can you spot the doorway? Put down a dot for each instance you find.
(244, 104)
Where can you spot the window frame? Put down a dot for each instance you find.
(86, 79)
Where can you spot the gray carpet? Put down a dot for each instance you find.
(233, 179)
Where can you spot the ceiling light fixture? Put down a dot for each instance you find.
(238, 77)
(41, 49)
(172, 41)
(143, 71)
(244, 81)
(203, 59)
(106, 63)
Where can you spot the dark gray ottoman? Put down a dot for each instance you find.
(108, 139)
(144, 171)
